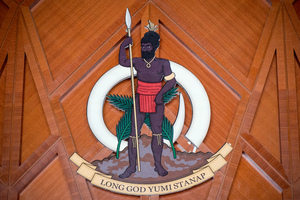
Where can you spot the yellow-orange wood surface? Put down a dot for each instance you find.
(246, 53)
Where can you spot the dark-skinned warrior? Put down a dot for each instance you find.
(149, 96)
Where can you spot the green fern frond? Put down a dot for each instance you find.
(167, 130)
(168, 96)
(147, 121)
(123, 129)
(123, 103)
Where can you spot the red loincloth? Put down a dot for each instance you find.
(147, 93)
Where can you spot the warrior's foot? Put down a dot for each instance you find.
(130, 170)
(160, 170)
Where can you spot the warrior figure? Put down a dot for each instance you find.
(149, 97)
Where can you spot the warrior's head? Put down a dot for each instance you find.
(150, 42)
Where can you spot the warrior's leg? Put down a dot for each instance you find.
(156, 120)
(132, 150)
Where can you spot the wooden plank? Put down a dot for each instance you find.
(18, 104)
(293, 15)
(100, 153)
(18, 1)
(16, 170)
(231, 169)
(69, 146)
(266, 116)
(264, 160)
(39, 81)
(197, 51)
(63, 126)
(291, 42)
(205, 23)
(95, 58)
(7, 21)
(30, 3)
(249, 115)
(36, 46)
(77, 47)
(34, 157)
(82, 185)
(282, 95)
(34, 121)
(57, 150)
(10, 45)
(214, 190)
(233, 159)
(3, 191)
(251, 183)
(258, 88)
(263, 44)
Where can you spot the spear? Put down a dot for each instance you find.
(128, 24)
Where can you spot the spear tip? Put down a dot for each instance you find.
(128, 19)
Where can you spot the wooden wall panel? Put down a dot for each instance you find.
(296, 5)
(85, 30)
(33, 119)
(240, 35)
(51, 184)
(266, 117)
(292, 49)
(297, 73)
(4, 9)
(250, 183)
(8, 49)
(53, 163)
(8, 9)
(2, 102)
(245, 53)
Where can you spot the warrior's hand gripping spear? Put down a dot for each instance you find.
(128, 24)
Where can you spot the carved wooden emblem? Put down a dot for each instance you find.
(143, 165)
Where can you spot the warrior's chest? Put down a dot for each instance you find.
(154, 68)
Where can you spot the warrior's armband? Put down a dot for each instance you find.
(169, 77)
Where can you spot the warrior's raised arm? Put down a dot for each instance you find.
(122, 53)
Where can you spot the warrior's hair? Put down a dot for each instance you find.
(151, 37)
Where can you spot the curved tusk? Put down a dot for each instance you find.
(199, 100)
(96, 102)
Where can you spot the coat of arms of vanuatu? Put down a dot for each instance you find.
(143, 165)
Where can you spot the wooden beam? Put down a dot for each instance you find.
(38, 79)
(258, 88)
(293, 15)
(36, 48)
(7, 23)
(292, 42)
(10, 47)
(282, 95)
(230, 172)
(263, 45)
(18, 103)
(264, 160)
(55, 151)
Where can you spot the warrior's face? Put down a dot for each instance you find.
(148, 51)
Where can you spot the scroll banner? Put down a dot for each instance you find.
(200, 175)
